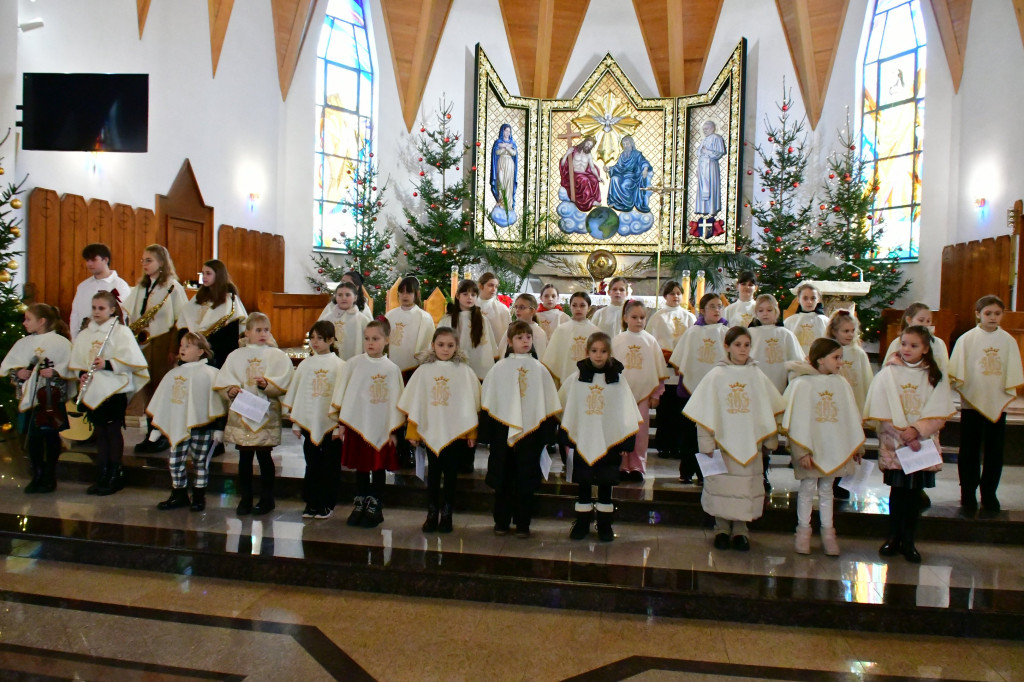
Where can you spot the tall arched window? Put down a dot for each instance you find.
(344, 115)
(892, 122)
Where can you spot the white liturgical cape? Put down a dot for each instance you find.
(480, 358)
(31, 350)
(170, 297)
(310, 392)
(740, 313)
(644, 363)
(243, 366)
(939, 352)
(411, 332)
(540, 341)
(520, 393)
(497, 316)
(130, 372)
(856, 369)
(348, 329)
(366, 398)
(442, 400)
(986, 370)
(738, 404)
(609, 319)
(199, 318)
(903, 396)
(698, 351)
(598, 416)
(185, 400)
(550, 319)
(806, 327)
(567, 346)
(771, 347)
(822, 417)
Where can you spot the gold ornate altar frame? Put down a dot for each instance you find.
(667, 130)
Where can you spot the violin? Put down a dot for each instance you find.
(50, 397)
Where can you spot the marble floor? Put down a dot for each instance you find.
(68, 621)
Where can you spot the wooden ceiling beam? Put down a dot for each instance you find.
(292, 19)
(678, 34)
(813, 29)
(142, 7)
(1018, 9)
(220, 15)
(953, 18)
(414, 32)
(541, 36)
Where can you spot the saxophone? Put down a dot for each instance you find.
(92, 368)
(140, 327)
(219, 324)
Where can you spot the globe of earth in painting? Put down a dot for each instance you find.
(602, 223)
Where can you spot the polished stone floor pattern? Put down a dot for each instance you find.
(68, 621)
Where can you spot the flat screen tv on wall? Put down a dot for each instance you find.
(85, 112)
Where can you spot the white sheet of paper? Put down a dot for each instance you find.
(713, 465)
(569, 453)
(860, 476)
(421, 464)
(250, 405)
(545, 463)
(927, 456)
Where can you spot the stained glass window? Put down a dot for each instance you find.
(892, 122)
(344, 117)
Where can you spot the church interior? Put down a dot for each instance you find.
(574, 141)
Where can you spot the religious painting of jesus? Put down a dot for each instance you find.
(580, 175)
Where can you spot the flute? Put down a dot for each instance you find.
(92, 368)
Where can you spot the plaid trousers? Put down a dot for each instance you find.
(196, 447)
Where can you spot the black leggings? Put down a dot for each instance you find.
(977, 431)
(444, 465)
(904, 510)
(245, 456)
(109, 444)
(367, 484)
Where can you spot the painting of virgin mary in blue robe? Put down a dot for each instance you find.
(628, 178)
(504, 181)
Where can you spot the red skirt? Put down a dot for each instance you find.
(357, 454)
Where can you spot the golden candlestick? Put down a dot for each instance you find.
(699, 293)
(685, 286)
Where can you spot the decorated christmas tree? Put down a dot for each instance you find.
(782, 213)
(439, 234)
(370, 250)
(11, 305)
(847, 238)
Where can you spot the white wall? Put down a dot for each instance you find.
(227, 126)
(235, 126)
(8, 99)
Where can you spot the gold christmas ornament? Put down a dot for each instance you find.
(21, 308)
(5, 276)
(16, 231)
(2, 171)
(6, 427)
(15, 203)
(13, 265)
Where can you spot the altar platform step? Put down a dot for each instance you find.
(965, 590)
(661, 500)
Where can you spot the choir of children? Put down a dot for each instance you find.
(419, 385)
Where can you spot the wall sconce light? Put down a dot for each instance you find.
(980, 203)
(253, 198)
(31, 25)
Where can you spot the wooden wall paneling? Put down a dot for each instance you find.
(146, 233)
(101, 230)
(127, 240)
(185, 221)
(43, 237)
(254, 266)
(947, 288)
(1018, 242)
(268, 262)
(74, 221)
(225, 245)
(1004, 247)
(291, 315)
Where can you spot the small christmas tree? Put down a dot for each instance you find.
(782, 218)
(11, 305)
(440, 234)
(848, 236)
(371, 250)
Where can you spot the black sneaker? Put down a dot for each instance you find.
(308, 512)
(358, 509)
(324, 513)
(374, 514)
(722, 541)
(741, 543)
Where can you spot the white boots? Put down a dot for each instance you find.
(802, 543)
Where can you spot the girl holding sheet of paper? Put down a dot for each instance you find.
(520, 397)
(823, 425)
(735, 407)
(254, 422)
(908, 403)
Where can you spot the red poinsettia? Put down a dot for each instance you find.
(505, 299)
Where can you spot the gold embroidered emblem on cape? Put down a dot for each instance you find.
(538, 398)
(644, 362)
(130, 371)
(598, 416)
(822, 417)
(411, 331)
(185, 399)
(567, 346)
(902, 395)
(366, 397)
(986, 370)
(440, 422)
(243, 366)
(807, 327)
(310, 394)
(697, 352)
(49, 346)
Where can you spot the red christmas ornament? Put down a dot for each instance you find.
(778, 250)
(871, 268)
(750, 172)
(892, 302)
(768, 172)
(320, 271)
(771, 139)
(771, 203)
(746, 205)
(762, 189)
(836, 209)
(359, 205)
(422, 174)
(767, 230)
(444, 252)
(420, 159)
(415, 194)
(447, 139)
(366, 273)
(374, 188)
(799, 274)
(831, 176)
(477, 144)
(405, 253)
(764, 266)
(789, 149)
(438, 164)
(853, 146)
(433, 206)
(828, 243)
(846, 177)
(796, 184)
(473, 168)
(376, 286)
(821, 207)
(371, 155)
(456, 168)
(379, 204)
(423, 130)
(785, 107)
(778, 240)
(387, 246)
(447, 115)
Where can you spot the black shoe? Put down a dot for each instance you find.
(112, 483)
(33, 486)
(910, 553)
(632, 476)
(522, 532)
(969, 501)
(990, 503)
(581, 526)
(358, 509)
(308, 512)
(923, 501)
(218, 451)
(101, 476)
(177, 500)
(374, 515)
(264, 506)
(838, 492)
(722, 541)
(500, 531)
(767, 486)
(47, 485)
(890, 548)
(741, 543)
(198, 500)
(430, 525)
(444, 524)
(605, 532)
(244, 506)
